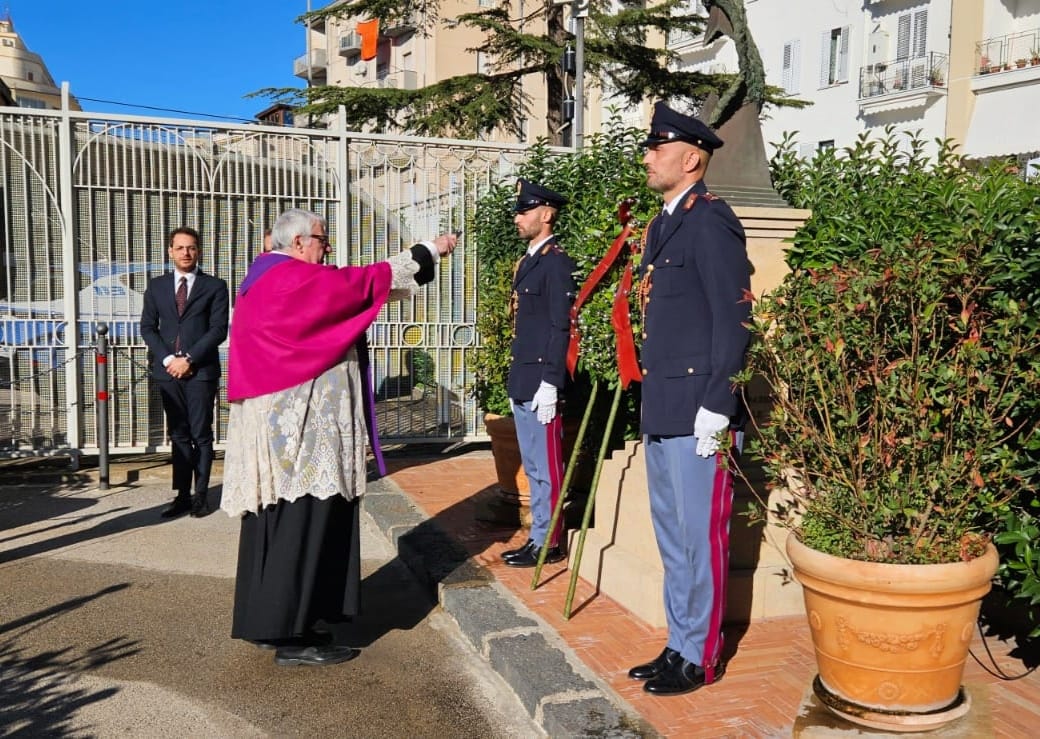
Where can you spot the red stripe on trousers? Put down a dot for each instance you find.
(718, 541)
(554, 458)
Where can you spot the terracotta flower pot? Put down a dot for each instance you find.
(506, 451)
(891, 640)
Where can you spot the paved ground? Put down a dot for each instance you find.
(115, 623)
(568, 676)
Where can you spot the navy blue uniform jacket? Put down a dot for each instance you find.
(545, 289)
(202, 328)
(694, 337)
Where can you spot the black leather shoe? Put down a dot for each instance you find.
(199, 505)
(681, 677)
(314, 655)
(180, 505)
(513, 552)
(529, 557)
(661, 662)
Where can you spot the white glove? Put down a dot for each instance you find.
(706, 428)
(544, 402)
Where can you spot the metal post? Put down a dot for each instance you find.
(69, 261)
(581, 12)
(101, 350)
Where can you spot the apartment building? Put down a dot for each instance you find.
(24, 73)
(959, 69)
(409, 55)
(967, 70)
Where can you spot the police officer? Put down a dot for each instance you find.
(693, 288)
(543, 291)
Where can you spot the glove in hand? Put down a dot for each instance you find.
(706, 427)
(544, 402)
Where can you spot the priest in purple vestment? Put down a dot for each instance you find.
(301, 413)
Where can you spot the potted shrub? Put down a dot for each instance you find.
(902, 353)
(1034, 57)
(1019, 63)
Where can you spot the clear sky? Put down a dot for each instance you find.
(197, 56)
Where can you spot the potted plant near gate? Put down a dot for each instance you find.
(902, 361)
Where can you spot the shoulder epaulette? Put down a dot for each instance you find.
(691, 200)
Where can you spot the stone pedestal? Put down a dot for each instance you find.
(622, 561)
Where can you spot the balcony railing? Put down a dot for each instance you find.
(349, 43)
(887, 78)
(317, 66)
(396, 28)
(1011, 51)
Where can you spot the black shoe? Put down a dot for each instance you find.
(659, 664)
(529, 556)
(314, 655)
(180, 505)
(682, 677)
(199, 505)
(513, 552)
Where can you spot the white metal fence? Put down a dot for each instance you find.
(86, 202)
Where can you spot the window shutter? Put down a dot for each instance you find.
(843, 56)
(903, 37)
(921, 33)
(825, 59)
(796, 66)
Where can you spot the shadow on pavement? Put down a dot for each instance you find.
(41, 508)
(38, 692)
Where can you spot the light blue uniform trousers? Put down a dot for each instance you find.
(691, 499)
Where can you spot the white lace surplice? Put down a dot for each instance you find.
(306, 440)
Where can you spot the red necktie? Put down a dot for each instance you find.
(182, 296)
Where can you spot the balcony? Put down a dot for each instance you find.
(1011, 51)
(912, 81)
(684, 39)
(318, 65)
(349, 44)
(401, 80)
(401, 26)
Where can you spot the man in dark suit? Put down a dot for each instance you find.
(543, 291)
(695, 281)
(184, 320)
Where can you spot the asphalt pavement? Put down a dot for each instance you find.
(114, 621)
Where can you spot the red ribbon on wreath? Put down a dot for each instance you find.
(628, 364)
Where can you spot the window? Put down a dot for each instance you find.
(483, 67)
(912, 35)
(29, 76)
(834, 57)
(792, 64)
(825, 145)
(31, 103)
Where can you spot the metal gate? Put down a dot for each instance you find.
(86, 203)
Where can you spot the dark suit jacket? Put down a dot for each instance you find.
(544, 288)
(202, 328)
(694, 333)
